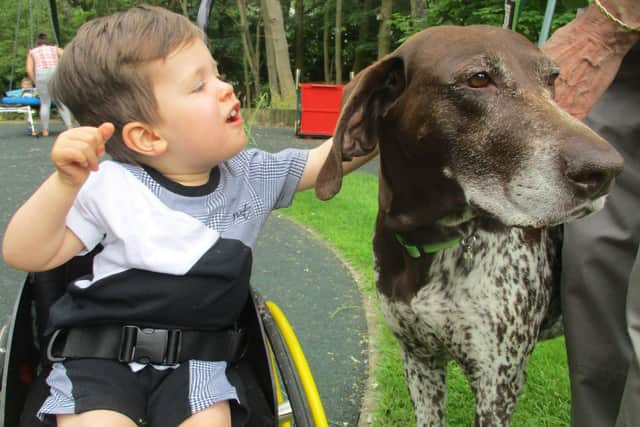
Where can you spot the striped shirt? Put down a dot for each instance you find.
(44, 56)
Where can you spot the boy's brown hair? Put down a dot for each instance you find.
(101, 77)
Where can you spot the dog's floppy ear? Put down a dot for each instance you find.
(365, 102)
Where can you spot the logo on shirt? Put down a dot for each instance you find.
(242, 213)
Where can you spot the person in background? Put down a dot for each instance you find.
(599, 58)
(26, 83)
(41, 63)
(26, 88)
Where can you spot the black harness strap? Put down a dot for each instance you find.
(146, 345)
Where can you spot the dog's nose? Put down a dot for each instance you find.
(590, 165)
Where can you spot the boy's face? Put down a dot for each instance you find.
(200, 114)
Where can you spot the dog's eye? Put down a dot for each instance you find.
(479, 80)
(551, 80)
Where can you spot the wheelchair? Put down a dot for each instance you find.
(281, 389)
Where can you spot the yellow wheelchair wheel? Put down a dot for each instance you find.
(304, 407)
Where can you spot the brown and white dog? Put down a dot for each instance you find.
(478, 167)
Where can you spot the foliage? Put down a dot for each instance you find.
(261, 103)
(488, 12)
(224, 30)
(405, 25)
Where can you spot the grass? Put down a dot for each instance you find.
(347, 222)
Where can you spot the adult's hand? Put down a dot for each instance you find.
(589, 51)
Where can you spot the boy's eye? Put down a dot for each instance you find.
(199, 87)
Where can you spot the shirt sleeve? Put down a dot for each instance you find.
(82, 219)
(275, 176)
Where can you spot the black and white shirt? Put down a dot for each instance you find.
(174, 256)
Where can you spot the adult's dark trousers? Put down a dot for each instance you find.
(601, 274)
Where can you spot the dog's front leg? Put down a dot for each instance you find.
(426, 377)
(496, 395)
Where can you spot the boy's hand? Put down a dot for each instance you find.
(76, 151)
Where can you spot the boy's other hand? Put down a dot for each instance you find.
(75, 152)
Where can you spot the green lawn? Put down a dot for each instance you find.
(346, 222)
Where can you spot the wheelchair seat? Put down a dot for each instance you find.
(26, 367)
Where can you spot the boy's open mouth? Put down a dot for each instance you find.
(234, 114)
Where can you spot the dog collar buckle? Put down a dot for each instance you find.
(468, 244)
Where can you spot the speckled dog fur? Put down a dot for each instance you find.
(472, 147)
(488, 323)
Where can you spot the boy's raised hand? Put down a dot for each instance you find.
(76, 151)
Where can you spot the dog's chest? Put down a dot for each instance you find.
(496, 300)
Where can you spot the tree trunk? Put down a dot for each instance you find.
(338, 48)
(325, 44)
(384, 33)
(250, 54)
(419, 14)
(299, 35)
(360, 56)
(247, 82)
(285, 7)
(283, 89)
(184, 6)
(258, 63)
(272, 73)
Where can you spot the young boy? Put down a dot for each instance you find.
(26, 84)
(177, 213)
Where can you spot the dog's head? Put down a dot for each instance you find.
(465, 117)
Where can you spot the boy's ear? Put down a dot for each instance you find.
(142, 139)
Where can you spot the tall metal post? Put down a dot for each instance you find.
(53, 16)
(546, 23)
(203, 14)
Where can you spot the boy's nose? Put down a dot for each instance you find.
(225, 90)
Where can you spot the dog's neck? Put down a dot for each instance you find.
(417, 201)
(451, 231)
(406, 260)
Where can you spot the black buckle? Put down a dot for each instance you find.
(147, 345)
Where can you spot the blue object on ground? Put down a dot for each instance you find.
(21, 97)
(21, 100)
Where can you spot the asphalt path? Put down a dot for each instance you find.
(292, 268)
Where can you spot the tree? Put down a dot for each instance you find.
(299, 19)
(363, 22)
(363, 30)
(282, 86)
(419, 13)
(384, 32)
(183, 5)
(326, 56)
(251, 55)
(338, 40)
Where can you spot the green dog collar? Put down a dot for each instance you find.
(416, 251)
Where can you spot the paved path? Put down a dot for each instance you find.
(292, 268)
